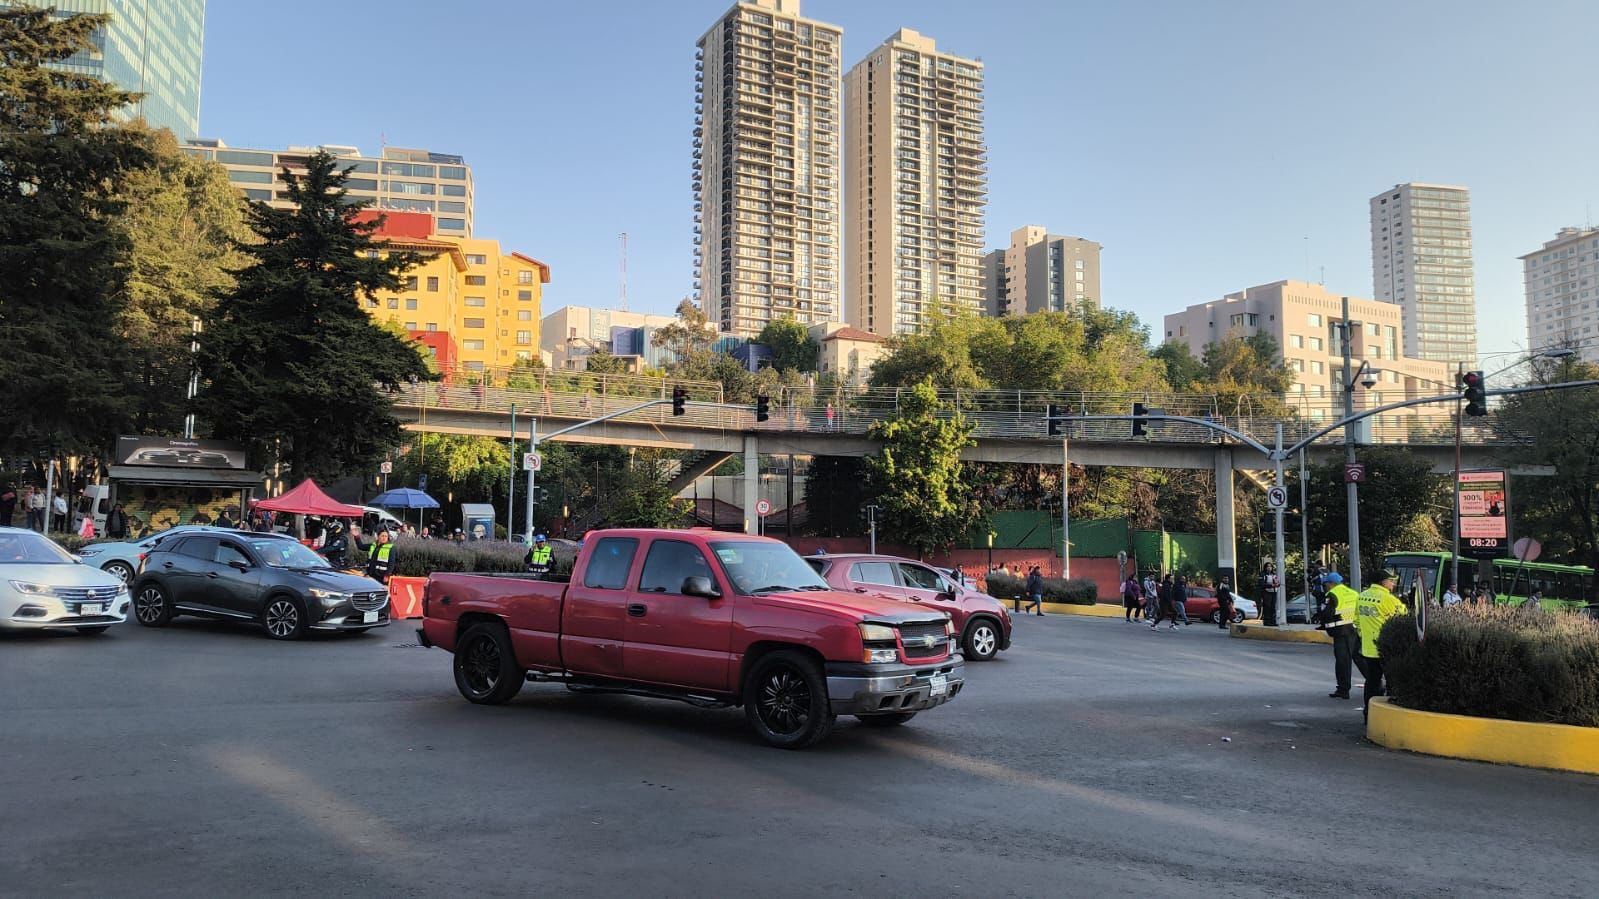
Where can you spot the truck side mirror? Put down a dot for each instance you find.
(700, 586)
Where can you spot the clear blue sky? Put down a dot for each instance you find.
(1208, 146)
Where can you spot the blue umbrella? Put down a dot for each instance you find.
(403, 498)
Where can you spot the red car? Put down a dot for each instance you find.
(981, 620)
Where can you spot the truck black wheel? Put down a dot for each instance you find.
(785, 700)
(982, 640)
(485, 665)
(893, 719)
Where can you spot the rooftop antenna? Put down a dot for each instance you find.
(1323, 281)
(624, 271)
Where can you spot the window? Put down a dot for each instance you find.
(471, 344)
(609, 563)
(476, 280)
(473, 366)
(1317, 344)
(1313, 320)
(262, 195)
(1318, 367)
(524, 277)
(472, 323)
(524, 315)
(433, 284)
(873, 573)
(668, 563)
(476, 301)
(394, 302)
(239, 157)
(451, 206)
(238, 177)
(407, 170)
(524, 338)
(433, 326)
(525, 296)
(453, 172)
(198, 548)
(410, 303)
(228, 553)
(1297, 341)
(452, 224)
(921, 578)
(410, 326)
(454, 190)
(410, 282)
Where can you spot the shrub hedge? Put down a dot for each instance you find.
(415, 557)
(1514, 663)
(1075, 591)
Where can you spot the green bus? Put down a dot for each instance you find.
(1563, 586)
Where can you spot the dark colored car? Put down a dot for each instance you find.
(982, 621)
(279, 585)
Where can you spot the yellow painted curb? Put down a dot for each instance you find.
(1288, 634)
(1561, 747)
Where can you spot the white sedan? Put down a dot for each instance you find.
(43, 587)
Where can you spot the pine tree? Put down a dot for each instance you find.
(61, 248)
(293, 367)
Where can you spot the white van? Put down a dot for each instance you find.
(94, 503)
(373, 518)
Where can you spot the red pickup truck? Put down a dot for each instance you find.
(710, 618)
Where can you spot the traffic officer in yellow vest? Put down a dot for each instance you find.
(378, 557)
(539, 557)
(1377, 604)
(1338, 617)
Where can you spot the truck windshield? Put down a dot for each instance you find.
(765, 567)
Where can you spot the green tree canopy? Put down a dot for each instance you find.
(62, 251)
(1246, 374)
(1400, 489)
(692, 333)
(791, 344)
(918, 478)
(292, 365)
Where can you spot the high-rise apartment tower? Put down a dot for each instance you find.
(766, 182)
(1041, 272)
(1562, 283)
(915, 185)
(1421, 260)
(152, 47)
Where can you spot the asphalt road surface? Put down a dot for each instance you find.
(1094, 758)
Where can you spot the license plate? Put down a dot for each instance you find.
(939, 684)
(369, 617)
(90, 608)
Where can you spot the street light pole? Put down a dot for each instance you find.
(1281, 616)
(510, 498)
(1065, 508)
(1351, 489)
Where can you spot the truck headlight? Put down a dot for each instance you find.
(28, 588)
(878, 656)
(330, 597)
(870, 633)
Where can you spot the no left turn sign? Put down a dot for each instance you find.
(1277, 498)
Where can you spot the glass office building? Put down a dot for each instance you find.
(153, 47)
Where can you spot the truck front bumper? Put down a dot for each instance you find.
(855, 689)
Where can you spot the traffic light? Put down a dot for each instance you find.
(763, 408)
(1476, 393)
(1057, 427)
(1140, 423)
(679, 401)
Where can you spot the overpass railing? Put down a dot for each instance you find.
(1000, 414)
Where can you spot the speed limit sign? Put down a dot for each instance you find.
(1277, 498)
(763, 508)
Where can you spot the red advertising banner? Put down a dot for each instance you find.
(1484, 513)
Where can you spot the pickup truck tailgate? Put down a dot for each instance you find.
(530, 610)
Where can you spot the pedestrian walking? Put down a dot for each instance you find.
(1377, 604)
(1224, 604)
(1150, 596)
(1180, 601)
(116, 523)
(1132, 602)
(1035, 591)
(8, 505)
(1165, 604)
(35, 507)
(1338, 616)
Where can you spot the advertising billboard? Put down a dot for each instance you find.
(1484, 498)
(178, 452)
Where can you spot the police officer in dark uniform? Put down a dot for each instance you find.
(336, 546)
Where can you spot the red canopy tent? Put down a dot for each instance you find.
(308, 499)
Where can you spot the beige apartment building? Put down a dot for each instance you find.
(846, 352)
(767, 206)
(1421, 261)
(1041, 272)
(915, 185)
(1562, 284)
(569, 335)
(399, 180)
(1304, 319)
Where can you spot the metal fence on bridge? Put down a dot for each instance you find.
(1014, 414)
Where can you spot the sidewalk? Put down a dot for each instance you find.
(1288, 633)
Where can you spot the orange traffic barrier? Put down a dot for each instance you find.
(405, 596)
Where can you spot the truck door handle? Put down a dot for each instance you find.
(212, 574)
(166, 564)
(637, 609)
(861, 590)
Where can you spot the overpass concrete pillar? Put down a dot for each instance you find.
(1226, 526)
(752, 483)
